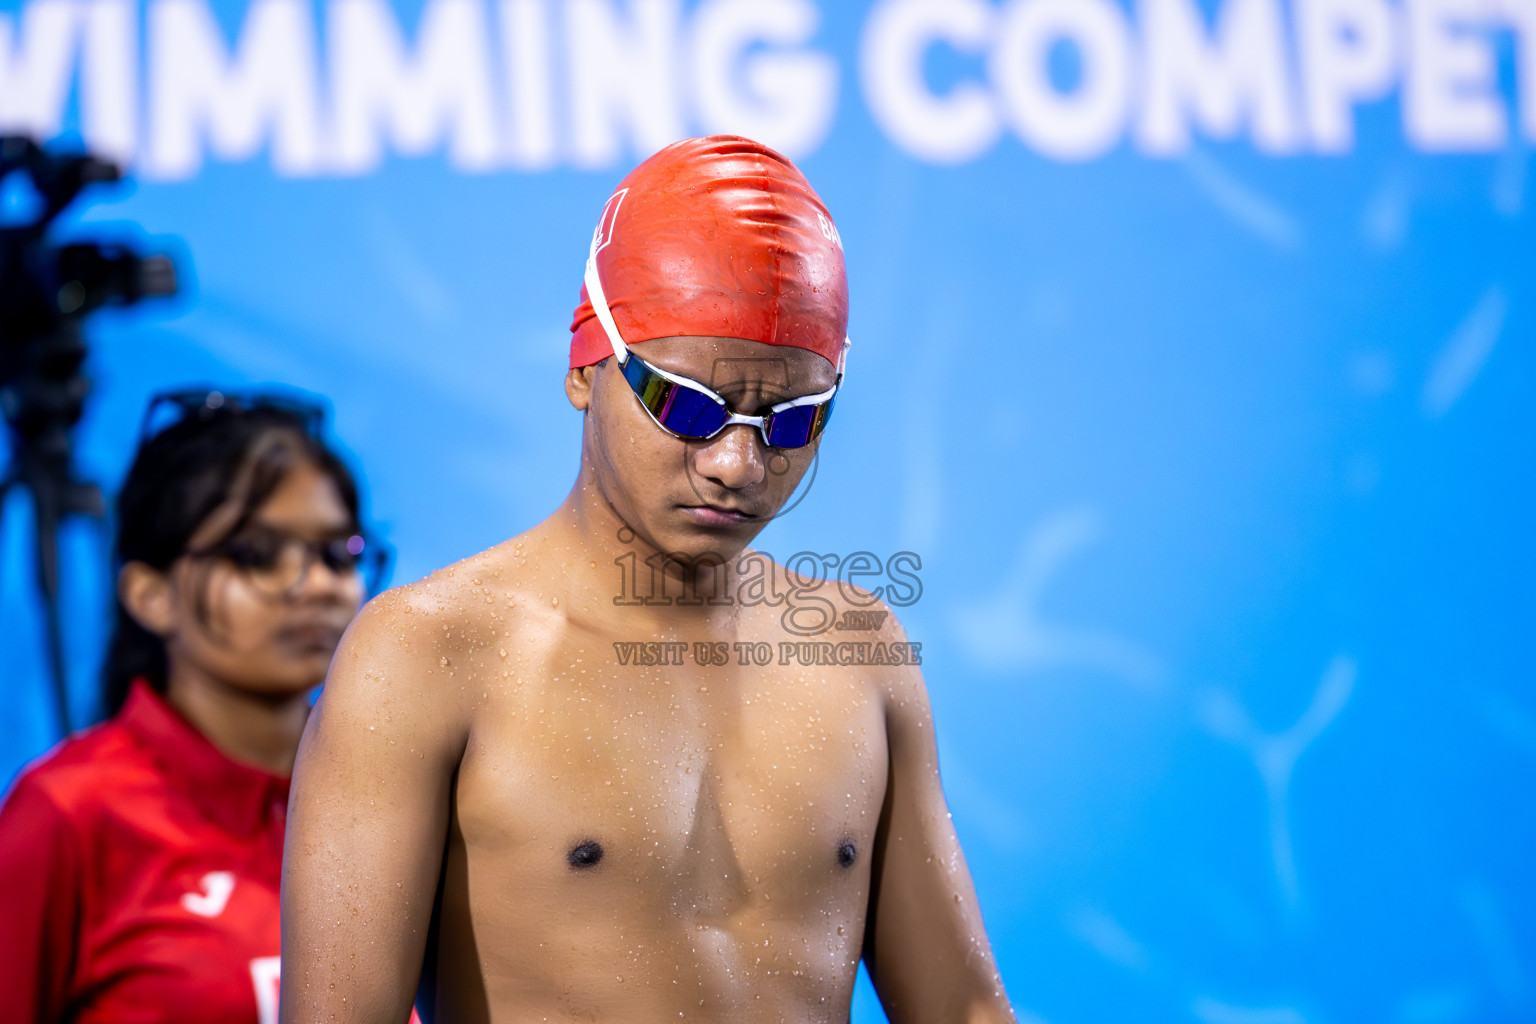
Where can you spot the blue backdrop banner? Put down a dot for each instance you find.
(1189, 421)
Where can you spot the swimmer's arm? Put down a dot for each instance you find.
(925, 946)
(368, 817)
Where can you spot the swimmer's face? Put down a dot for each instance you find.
(698, 497)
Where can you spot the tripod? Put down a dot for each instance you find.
(46, 291)
(43, 465)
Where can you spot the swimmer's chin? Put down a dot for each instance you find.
(717, 517)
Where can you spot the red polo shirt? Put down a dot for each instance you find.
(139, 871)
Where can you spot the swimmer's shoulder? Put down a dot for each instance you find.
(412, 627)
(404, 651)
(801, 579)
(459, 609)
(898, 685)
(862, 615)
(836, 609)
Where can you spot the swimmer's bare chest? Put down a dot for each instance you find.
(628, 841)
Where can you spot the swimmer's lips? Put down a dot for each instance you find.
(717, 517)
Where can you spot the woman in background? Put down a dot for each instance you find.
(139, 860)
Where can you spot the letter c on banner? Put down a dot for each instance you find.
(1087, 121)
(949, 129)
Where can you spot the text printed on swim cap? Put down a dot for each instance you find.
(829, 230)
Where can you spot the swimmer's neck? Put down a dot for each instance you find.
(595, 541)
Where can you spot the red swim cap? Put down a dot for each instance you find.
(721, 237)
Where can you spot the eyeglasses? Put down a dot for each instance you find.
(169, 408)
(685, 408)
(276, 561)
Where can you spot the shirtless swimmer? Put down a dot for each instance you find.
(641, 842)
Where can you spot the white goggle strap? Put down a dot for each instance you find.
(600, 307)
(805, 400)
(842, 364)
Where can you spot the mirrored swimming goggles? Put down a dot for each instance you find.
(685, 408)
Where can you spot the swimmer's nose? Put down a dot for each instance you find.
(733, 458)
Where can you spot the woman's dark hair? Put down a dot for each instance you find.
(179, 477)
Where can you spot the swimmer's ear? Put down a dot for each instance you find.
(146, 595)
(578, 386)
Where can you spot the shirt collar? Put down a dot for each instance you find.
(239, 797)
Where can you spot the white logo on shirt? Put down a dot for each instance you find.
(217, 887)
(265, 974)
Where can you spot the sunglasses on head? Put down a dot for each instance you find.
(687, 409)
(169, 408)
